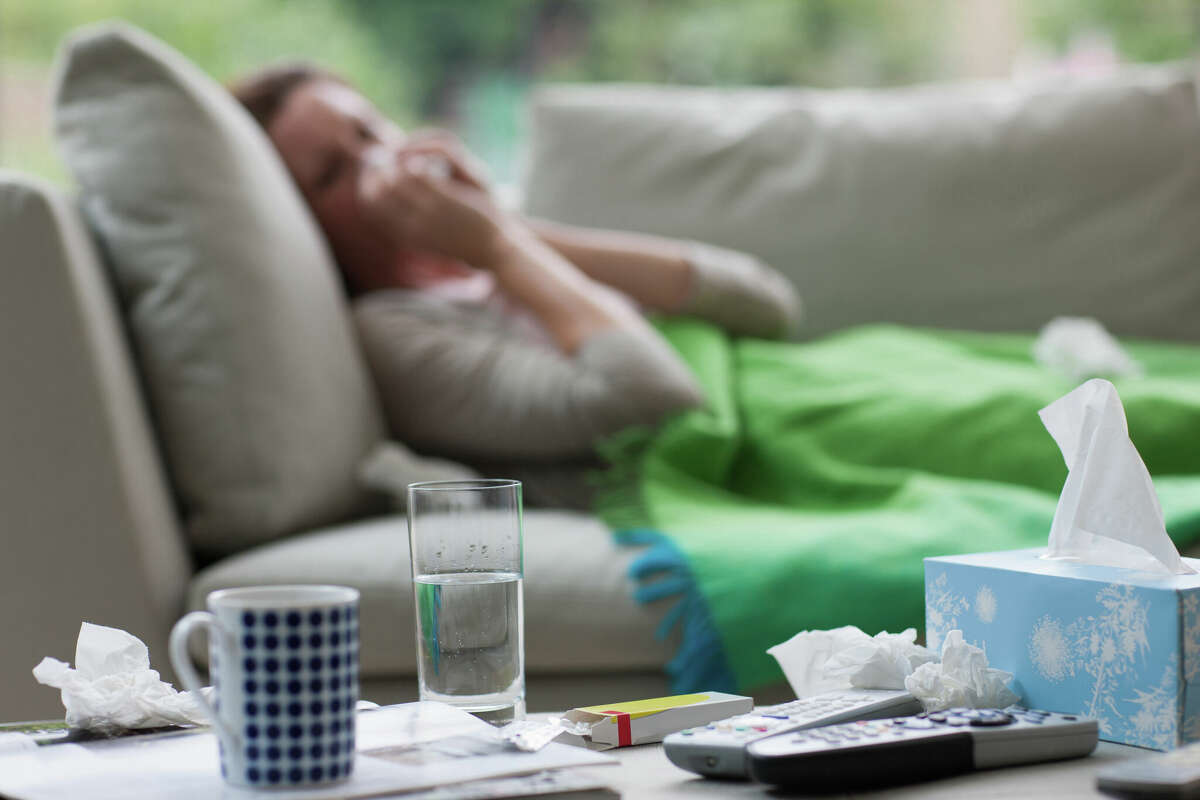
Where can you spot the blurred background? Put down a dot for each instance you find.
(468, 64)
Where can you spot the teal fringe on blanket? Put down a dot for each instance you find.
(662, 571)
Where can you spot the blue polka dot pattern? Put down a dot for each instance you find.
(299, 681)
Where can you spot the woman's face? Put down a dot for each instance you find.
(323, 132)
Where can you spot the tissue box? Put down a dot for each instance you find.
(643, 721)
(1115, 644)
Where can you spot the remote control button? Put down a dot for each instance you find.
(688, 732)
(957, 722)
(991, 721)
(1070, 716)
(918, 724)
(939, 717)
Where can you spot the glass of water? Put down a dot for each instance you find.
(468, 567)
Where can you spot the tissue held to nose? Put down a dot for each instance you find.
(112, 687)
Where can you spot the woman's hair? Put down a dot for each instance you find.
(264, 91)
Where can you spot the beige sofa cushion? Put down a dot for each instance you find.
(580, 614)
(984, 206)
(262, 402)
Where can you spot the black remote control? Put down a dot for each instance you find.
(907, 749)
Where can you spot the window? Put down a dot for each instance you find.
(468, 64)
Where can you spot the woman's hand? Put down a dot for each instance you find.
(419, 209)
(445, 145)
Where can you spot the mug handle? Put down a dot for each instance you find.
(181, 660)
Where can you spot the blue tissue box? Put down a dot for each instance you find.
(1115, 644)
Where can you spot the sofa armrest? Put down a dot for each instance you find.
(89, 531)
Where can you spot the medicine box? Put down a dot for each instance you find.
(643, 721)
(1118, 645)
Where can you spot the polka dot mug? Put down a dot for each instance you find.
(284, 668)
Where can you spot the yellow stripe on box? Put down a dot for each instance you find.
(644, 708)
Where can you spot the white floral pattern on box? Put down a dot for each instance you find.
(1190, 611)
(985, 604)
(1110, 647)
(942, 610)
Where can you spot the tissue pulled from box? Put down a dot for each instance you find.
(1080, 347)
(1108, 513)
(112, 687)
(962, 679)
(824, 661)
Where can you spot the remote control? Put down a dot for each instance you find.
(1175, 774)
(719, 750)
(903, 750)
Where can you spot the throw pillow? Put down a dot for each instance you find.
(262, 402)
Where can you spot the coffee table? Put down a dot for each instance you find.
(646, 774)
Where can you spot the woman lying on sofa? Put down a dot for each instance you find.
(496, 339)
(817, 476)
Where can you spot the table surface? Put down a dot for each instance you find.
(645, 773)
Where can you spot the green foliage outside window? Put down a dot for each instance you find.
(469, 63)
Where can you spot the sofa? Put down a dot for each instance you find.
(983, 206)
(92, 532)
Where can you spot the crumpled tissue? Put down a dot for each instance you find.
(824, 661)
(1108, 512)
(962, 679)
(112, 687)
(1080, 347)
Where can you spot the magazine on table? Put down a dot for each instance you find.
(426, 751)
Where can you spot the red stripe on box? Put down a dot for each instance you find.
(624, 731)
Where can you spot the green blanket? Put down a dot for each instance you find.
(808, 491)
